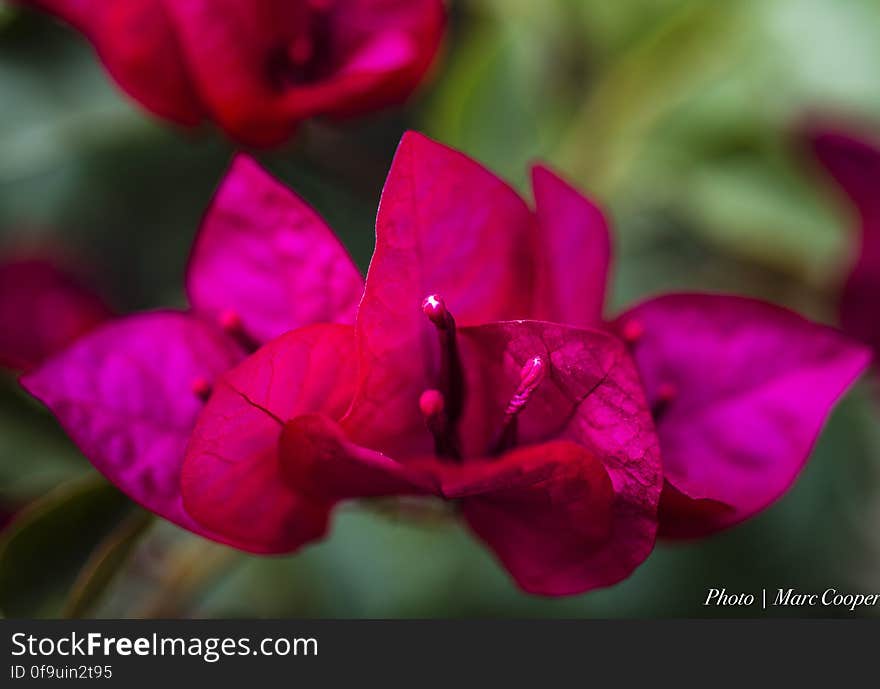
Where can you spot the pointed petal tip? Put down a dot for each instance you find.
(414, 141)
(242, 161)
(782, 377)
(412, 137)
(30, 382)
(245, 166)
(548, 179)
(264, 253)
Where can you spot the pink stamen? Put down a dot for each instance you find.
(450, 380)
(435, 309)
(532, 374)
(230, 321)
(431, 403)
(667, 392)
(633, 331)
(201, 388)
(232, 325)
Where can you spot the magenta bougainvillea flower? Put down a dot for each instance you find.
(539, 430)
(542, 436)
(477, 367)
(43, 309)
(739, 389)
(258, 67)
(854, 163)
(129, 392)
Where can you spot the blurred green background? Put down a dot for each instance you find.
(679, 115)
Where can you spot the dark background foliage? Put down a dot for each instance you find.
(679, 115)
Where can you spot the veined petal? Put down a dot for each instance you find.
(741, 390)
(232, 478)
(590, 395)
(318, 460)
(546, 511)
(129, 393)
(265, 258)
(574, 253)
(446, 226)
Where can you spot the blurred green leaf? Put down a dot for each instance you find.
(768, 215)
(686, 50)
(483, 75)
(104, 563)
(613, 27)
(816, 53)
(696, 119)
(44, 548)
(510, 80)
(7, 11)
(35, 455)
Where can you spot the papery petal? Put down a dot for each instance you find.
(855, 164)
(42, 310)
(447, 226)
(139, 47)
(741, 389)
(127, 394)
(547, 511)
(232, 479)
(590, 394)
(266, 258)
(317, 459)
(574, 253)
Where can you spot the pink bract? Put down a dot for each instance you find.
(716, 477)
(232, 478)
(445, 376)
(129, 393)
(434, 398)
(533, 427)
(739, 389)
(448, 226)
(266, 258)
(584, 466)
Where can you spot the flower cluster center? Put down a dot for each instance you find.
(442, 406)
